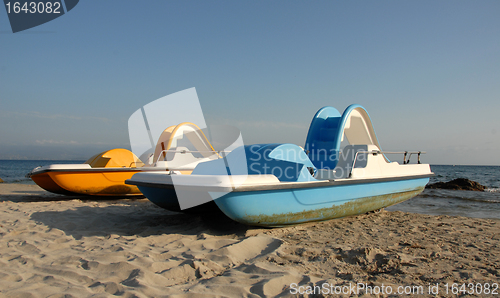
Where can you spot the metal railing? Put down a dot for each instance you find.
(376, 152)
(418, 154)
(188, 151)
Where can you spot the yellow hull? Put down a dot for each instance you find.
(45, 181)
(97, 183)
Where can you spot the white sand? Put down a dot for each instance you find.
(52, 246)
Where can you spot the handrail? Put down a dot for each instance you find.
(418, 153)
(187, 151)
(375, 152)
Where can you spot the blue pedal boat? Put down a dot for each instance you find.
(341, 172)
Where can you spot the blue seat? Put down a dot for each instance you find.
(321, 142)
(328, 128)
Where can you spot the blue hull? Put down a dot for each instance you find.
(292, 206)
(279, 207)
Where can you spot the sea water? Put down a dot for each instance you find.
(458, 202)
(432, 201)
(14, 171)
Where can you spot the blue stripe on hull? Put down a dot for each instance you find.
(291, 206)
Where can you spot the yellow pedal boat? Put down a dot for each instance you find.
(104, 174)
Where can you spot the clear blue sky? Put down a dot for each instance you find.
(428, 72)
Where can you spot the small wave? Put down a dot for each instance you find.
(481, 200)
(17, 180)
(471, 196)
(492, 190)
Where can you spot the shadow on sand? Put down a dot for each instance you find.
(124, 216)
(140, 218)
(29, 196)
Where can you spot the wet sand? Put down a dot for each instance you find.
(52, 245)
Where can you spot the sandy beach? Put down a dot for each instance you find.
(56, 246)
